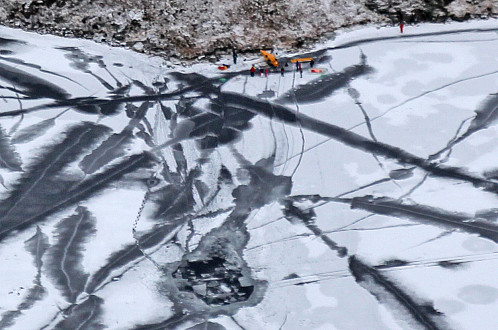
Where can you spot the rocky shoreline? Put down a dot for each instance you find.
(193, 29)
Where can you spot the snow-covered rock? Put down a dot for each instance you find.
(191, 28)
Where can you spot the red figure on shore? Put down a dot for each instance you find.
(401, 26)
(266, 72)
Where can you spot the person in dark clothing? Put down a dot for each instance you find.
(253, 69)
(234, 54)
(261, 71)
(282, 70)
(301, 71)
(312, 63)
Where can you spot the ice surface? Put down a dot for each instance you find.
(140, 195)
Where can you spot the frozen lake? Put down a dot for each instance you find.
(136, 194)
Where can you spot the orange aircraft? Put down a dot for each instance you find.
(304, 59)
(270, 58)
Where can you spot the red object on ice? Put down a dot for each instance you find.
(316, 70)
(222, 67)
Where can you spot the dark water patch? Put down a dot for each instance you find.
(34, 131)
(206, 124)
(37, 67)
(161, 85)
(207, 326)
(406, 305)
(216, 273)
(266, 94)
(33, 86)
(80, 60)
(222, 124)
(324, 86)
(65, 256)
(215, 280)
(393, 263)
(41, 186)
(83, 316)
(131, 252)
(113, 147)
(294, 212)
(174, 199)
(53, 194)
(146, 89)
(225, 176)
(401, 174)
(264, 187)
(37, 245)
(410, 36)
(325, 59)
(184, 108)
(94, 184)
(258, 106)
(8, 42)
(489, 215)
(355, 95)
(196, 81)
(9, 158)
(290, 277)
(450, 264)
(297, 210)
(491, 174)
(425, 214)
(385, 150)
(352, 139)
(34, 294)
(109, 105)
(486, 115)
(181, 161)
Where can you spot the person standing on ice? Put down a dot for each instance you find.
(234, 54)
(312, 63)
(401, 26)
(253, 69)
(282, 70)
(266, 72)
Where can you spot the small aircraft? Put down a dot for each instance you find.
(269, 58)
(272, 60)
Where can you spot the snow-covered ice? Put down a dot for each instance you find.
(137, 195)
